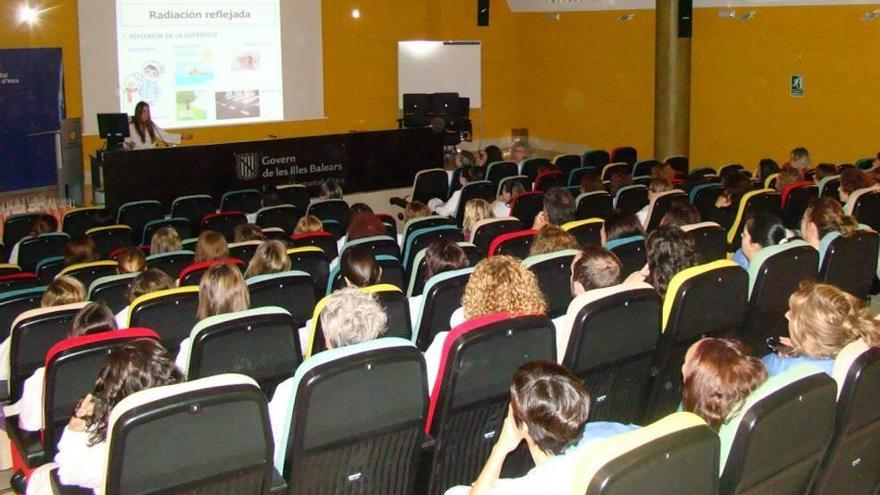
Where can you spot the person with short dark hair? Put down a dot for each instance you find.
(761, 230)
(680, 213)
(447, 209)
(620, 224)
(766, 168)
(549, 408)
(800, 159)
(559, 208)
(491, 155)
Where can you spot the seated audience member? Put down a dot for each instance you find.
(165, 240)
(501, 205)
(83, 450)
(330, 189)
(551, 239)
(465, 158)
(222, 290)
(475, 211)
(736, 185)
(669, 250)
(307, 224)
(94, 318)
(41, 226)
(591, 181)
(363, 225)
(448, 209)
(519, 151)
(349, 317)
(247, 232)
(356, 208)
(559, 208)
(152, 280)
(800, 159)
(441, 256)
(824, 170)
(490, 155)
(549, 408)
(760, 231)
(766, 168)
(824, 217)
(619, 225)
(657, 186)
(270, 257)
(851, 180)
(663, 171)
(63, 290)
(500, 284)
(131, 260)
(80, 249)
(788, 176)
(680, 213)
(211, 246)
(415, 209)
(618, 181)
(822, 320)
(359, 268)
(717, 377)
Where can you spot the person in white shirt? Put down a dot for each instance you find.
(349, 317)
(655, 187)
(152, 280)
(221, 290)
(145, 134)
(549, 408)
(509, 190)
(450, 207)
(82, 450)
(500, 284)
(94, 318)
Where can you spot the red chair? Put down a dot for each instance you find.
(526, 206)
(18, 281)
(224, 223)
(513, 244)
(192, 274)
(549, 179)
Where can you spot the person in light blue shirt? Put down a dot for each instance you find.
(760, 231)
(548, 410)
(822, 320)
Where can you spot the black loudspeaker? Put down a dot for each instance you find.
(685, 18)
(482, 12)
(415, 109)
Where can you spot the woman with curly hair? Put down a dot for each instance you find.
(82, 451)
(500, 284)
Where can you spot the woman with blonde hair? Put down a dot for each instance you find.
(415, 209)
(500, 284)
(308, 223)
(63, 290)
(475, 211)
(211, 246)
(822, 320)
(165, 240)
(270, 257)
(551, 239)
(222, 290)
(131, 260)
(824, 217)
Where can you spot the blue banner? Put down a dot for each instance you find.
(31, 105)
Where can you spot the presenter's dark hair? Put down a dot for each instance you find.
(142, 128)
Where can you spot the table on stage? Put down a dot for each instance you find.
(365, 161)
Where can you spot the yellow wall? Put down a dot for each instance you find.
(586, 78)
(741, 107)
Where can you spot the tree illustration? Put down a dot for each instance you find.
(186, 98)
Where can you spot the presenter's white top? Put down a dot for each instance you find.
(134, 141)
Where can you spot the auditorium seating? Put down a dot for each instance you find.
(281, 216)
(549, 179)
(422, 238)
(566, 163)
(110, 238)
(488, 229)
(71, 367)
(17, 281)
(296, 195)
(261, 343)
(626, 154)
(376, 245)
(526, 206)
(9, 269)
(415, 283)
(48, 269)
(18, 226)
(312, 260)
(243, 200)
(469, 402)
(194, 208)
(77, 221)
(392, 274)
(587, 232)
(89, 272)
(16, 302)
(849, 263)
(643, 167)
(137, 214)
(706, 300)
(429, 184)
(595, 204)
(631, 252)
(205, 436)
(347, 429)
(496, 171)
(865, 207)
(180, 224)
(192, 274)
(553, 270)
(530, 167)
(576, 175)
(596, 159)
(710, 240)
(631, 199)
(478, 189)
(830, 187)
(679, 163)
(330, 209)
(113, 290)
(171, 263)
(321, 239)
(513, 244)
(673, 456)
(774, 274)
(795, 200)
(851, 464)
(35, 249)
(442, 297)
(611, 169)
(777, 438)
(521, 179)
(703, 197)
(171, 313)
(660, 204)
(608, 339)
(244, 250)
(730, 168)
(752, 203)
(224, 223)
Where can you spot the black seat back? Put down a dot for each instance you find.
(193, 208)
(850, 263)
(171, 313)
(330, 209)
(224, 223)
(111, 238)
(137, 215)
(796, 203)
(498, 170)
(595, 204)
(292, 291)
(17, 227)
(526, 207)
(710, 240)
(486, 231)
(294, 194)
(480, 189)
(433, 183)
(14, 303)
(553, 271)
(631, 199)
(78, 220)
(596, 159)
(113, 290)
(245, 200)
(171, 263)
(441, 299)
(313, 261)
(32, 251)
(866, 209)
(284, 217)
(631, 251)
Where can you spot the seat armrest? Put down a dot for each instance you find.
(28, 443)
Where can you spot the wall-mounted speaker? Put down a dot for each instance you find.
(685, 18)
(482, 12)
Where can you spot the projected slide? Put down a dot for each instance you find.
(201, 62)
